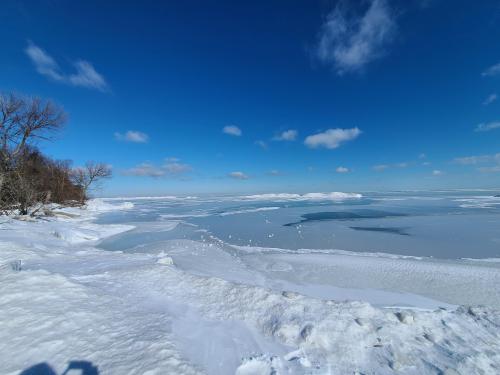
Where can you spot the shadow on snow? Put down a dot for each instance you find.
(85, 367)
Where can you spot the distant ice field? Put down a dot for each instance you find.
(444, 225)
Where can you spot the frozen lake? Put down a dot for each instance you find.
(446, 225)
(395, 249)
(284, 284)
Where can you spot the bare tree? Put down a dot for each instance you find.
(25, 120)
(90, 176)
(29, 179)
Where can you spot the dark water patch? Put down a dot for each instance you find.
(344, 215)
(392, 230)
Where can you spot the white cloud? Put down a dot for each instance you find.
(232, 130)
(485, 127)
(274, 172)
(132, 136)
(490, 99)
(468, 160)
(492, 70)
(145, 169)
(332, 138)
(478, 159)
(44, 63)
(493, 160)
(380, 167)
(238, 175)
(349, 41)
(342, 170)
(493, 169)
(437, 172)
(176, 168)
(383, 167)
(261, 144)
(85, 75)
(170, 168)
(287, 135)
(422, 156)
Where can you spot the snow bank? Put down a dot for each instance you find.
(318, 336)
(479, 202)
(165, 197)
(69, 226)
(48, 318)
(365, 275)
(302, 197)
(86, 232)
(99, 205)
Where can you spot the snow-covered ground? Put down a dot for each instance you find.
(188, 307)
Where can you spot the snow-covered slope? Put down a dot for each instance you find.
(190, 308)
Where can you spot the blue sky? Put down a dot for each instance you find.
(192, 97)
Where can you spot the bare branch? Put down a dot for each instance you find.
(23, 120)
(89, 176)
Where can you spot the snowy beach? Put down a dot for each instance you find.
(140, 286)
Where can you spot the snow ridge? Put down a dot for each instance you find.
(302, 197)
